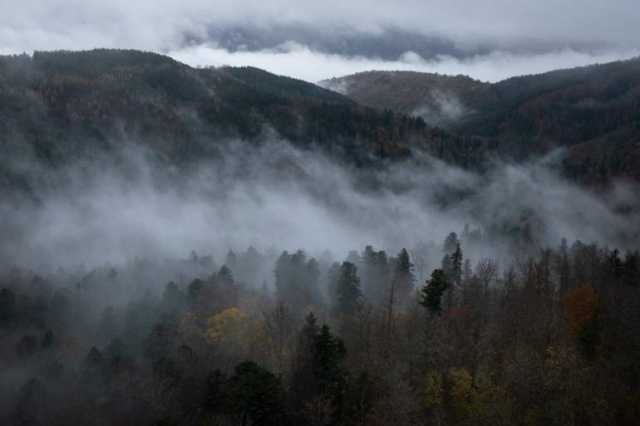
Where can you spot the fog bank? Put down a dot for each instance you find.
(277, 197)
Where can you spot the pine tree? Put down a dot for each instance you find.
(450, 243)
(456, 265)
(431, 293)
(403, 276)
(255, 395)
(7, 306)
(348, 294)
(328, 354)
(329, 374)
(303, 384)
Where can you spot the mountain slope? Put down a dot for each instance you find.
(65, 103)
(593, 112)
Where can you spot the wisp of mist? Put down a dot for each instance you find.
(277, 197)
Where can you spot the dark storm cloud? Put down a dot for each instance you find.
(38, 24)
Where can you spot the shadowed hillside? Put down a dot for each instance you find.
(69, 102)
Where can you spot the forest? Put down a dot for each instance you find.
(224, 246)
(376, 338)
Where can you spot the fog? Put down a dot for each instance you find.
(441, 109)
(275, 197)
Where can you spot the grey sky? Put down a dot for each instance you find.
(554, 32)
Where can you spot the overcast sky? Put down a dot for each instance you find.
(490, 39)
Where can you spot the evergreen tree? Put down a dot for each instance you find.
(348, 294)
(403, 277)
(331, 378)
(231, 260)
(255, 396)
(450, 243)
(456, 266)
(303, 384)
(431, 293)
(225, 276)
(375, 274)
(7, 306)
(328, 354)
(297, 279)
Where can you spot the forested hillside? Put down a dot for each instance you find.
(64, 104)
(593, 112)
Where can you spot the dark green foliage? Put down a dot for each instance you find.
(328, 372)
(328, 354)
(451, 243)
(48, 340)
(360, 397)
(161, 341)
(303, 383)
(255, 396)
(403, 277)
(7, 306)
(432, 292)
(225, 276)
(94, 368)
(348, 294)
(297, 280)
(375, 273)
(318, 373)
(455, 271)
(173, 299)
(195, 289)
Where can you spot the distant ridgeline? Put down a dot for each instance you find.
(69, 103)
(60, 106)
(593, 112)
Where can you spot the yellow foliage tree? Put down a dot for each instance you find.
(432, 392)
(228, 324)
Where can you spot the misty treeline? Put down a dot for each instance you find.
(497, 324)
(285, 338)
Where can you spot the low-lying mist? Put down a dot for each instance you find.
(275, 197)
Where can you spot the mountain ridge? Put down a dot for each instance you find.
(56, 106)
(574, 108)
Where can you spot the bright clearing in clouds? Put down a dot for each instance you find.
(299, 61)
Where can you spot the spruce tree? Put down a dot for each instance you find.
(431, 293)
(348, 294)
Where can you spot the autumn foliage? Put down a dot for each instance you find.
(581, 308)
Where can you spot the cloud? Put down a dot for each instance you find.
(301, 62)
(522, 36)
(161, 22)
